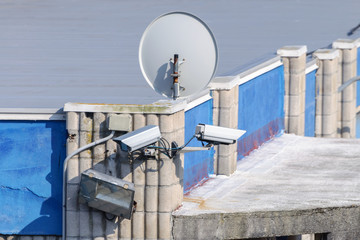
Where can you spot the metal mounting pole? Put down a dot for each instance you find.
(176, 76)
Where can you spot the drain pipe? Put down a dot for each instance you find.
(97, 142)
(347, 83)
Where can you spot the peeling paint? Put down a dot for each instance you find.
(31, 176)
(254, 140)
(23, 189)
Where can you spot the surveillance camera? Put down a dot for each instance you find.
(216, 135)
(139, 138)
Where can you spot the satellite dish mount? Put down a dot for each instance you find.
(176, 74)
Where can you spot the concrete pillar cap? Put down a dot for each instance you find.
(326, 54)
(292, 51)
(345, 43)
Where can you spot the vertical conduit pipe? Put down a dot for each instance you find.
(64, 176)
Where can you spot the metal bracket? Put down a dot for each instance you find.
(176, 74)
(193, 149)
(179, 61)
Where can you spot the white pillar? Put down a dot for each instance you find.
(326, 93)
(347, 98)
(294, 60)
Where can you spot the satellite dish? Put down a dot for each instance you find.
(178, 55)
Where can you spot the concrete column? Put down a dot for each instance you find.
(347, 98)
(151, 189)
(96, 120)
(308, 237)
(326, 93)
(170, 191)
(138, 219)
(225, 114)
(294, 60)
(111, 226)
(215, 96)
(72, 181)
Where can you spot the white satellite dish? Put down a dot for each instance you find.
(178, 55)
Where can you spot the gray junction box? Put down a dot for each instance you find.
(106, 193)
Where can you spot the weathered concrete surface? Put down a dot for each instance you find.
(291, 185)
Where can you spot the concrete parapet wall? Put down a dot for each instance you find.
(339, 222)
(250, 100)
(158, 183)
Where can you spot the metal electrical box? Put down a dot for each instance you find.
(107, 193)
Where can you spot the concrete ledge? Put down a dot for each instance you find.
(267, 224)
(326, 54)
(160, 107)
(32, 114)
(290, 186)
(292, 51)
(311, 66)
(230, 81)
(166, 107)
(345, 43)
(358, 42)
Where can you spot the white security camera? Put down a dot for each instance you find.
(139, 138)
(216, 135)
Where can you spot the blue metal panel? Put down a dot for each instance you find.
(310, 104)
(261, 110)
(358, 83)
(197, 165)
(31, 158)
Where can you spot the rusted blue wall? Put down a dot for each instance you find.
(31, 157)
(261, 110)
(197, 165)
(310, 104)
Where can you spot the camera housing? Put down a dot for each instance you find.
(139, 138)
(217, 135)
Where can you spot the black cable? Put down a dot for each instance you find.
(107, 218)
(353, 30)
(187, 142)
(168, 151)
